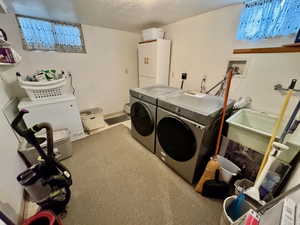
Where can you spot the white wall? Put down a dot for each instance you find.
(10, 166)
(99, 76)
(202, 45)
(99, 79)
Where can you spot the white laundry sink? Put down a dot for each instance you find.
(253, 129)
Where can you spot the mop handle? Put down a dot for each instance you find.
(277, 125)
(229, 78)
(289, 124)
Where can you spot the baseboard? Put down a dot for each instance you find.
(110, 115)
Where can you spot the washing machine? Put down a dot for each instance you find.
(186, 131)
(143, 109)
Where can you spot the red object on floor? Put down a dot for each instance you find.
(252, 218)
(43, 218)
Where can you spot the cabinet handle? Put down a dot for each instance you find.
(146, 60)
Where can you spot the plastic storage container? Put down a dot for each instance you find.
(92, 120)
(228, 169)
(153, 34)
(242, 185)
(62, 147)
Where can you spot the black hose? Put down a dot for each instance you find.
(49, 132)
(215, 86)
(182, 82)
(17, 121)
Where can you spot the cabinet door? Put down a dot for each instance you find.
(147, 59)
(146, 81)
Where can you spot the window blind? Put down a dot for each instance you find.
(262, 19)
(47, 35)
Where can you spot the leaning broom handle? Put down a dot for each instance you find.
(204, 177)
(229, 78)
(277, 125)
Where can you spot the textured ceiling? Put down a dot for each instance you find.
(129, 15)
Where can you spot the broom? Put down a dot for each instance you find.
(277, 125)
(213, 165)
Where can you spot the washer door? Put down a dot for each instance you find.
(142, 119)
(176, 139)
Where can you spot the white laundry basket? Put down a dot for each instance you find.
(43, 90)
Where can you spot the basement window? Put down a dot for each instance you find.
(262, 19)
(46, 35)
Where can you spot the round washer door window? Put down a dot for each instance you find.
(142, 119)
(176, 139)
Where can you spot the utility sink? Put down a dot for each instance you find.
(254, 129)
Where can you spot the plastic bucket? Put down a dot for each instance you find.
(242, 185)
(43, 218)
(225, 218)
(228, 169)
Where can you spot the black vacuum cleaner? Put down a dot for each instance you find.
(47, 182)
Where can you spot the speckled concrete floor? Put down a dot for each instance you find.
(117, 181)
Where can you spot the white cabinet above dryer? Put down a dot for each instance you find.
(154, 62)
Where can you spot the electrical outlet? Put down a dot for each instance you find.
(183, 76)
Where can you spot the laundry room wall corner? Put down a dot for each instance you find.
(203, 45)
(102, 77)
(11, 193)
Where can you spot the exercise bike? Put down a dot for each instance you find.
(47, 182)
